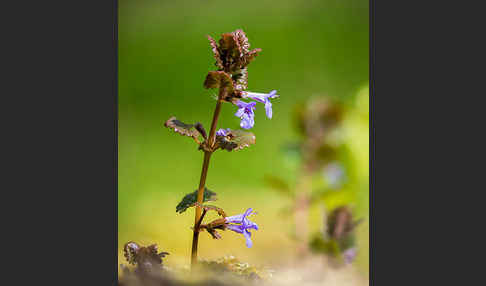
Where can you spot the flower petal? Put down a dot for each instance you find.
(247, 235)
(240, 112)
(234, 219)
(248, 212)
(268, 109)
(272, 94)
(241, 104)
(247, 121)
(221, 132)
(248, 224)
(235, 228)
(261, 97)
(251, 105)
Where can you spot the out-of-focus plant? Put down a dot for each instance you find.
(324, 170)
(230, 264)
(339, 238)
(232, 54)
(144, 258)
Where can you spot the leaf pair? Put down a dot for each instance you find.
(234, 139)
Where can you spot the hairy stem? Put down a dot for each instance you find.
(204, 173)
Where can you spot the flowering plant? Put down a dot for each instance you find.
(233, 55)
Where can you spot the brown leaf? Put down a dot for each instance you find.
(251, 56)
(219, 79)
(182, 128)
(227, 43)
(217, 55)
(241, 41)
(236, 140)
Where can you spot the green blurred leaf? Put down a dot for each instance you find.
(286, 211)
(191, 198)
(182, 128)
(333, 199)
(320, 245)
(279, 185)
(236, 140)
(348, 241)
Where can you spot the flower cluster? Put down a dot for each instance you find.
(241, 224)
(246, 110)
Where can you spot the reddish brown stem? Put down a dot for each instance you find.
(204, 173)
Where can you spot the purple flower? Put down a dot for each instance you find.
(263, 98)
(349, 255)
(223, 132)
(335, 175)
(246, 114)
(241, 224)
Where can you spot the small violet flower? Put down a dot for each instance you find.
(334, 173)
(223, 132)
(263, 98)
(349, 255)
(246, 113)
(241, 224)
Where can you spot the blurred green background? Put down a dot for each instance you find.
(310, 48)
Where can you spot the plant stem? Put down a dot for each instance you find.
(204, 173)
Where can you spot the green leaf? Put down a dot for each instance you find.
(183, 128)
(279, 185)
(334, 199)
(236, 140)
(191, 198)
(320, 245)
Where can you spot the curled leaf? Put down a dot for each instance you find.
(235, 140)
(199, 127)
(191, 199)
(182, 128)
